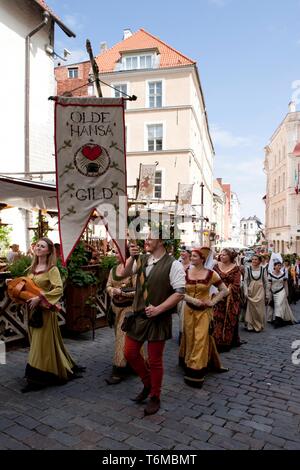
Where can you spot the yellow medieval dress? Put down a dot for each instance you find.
(49, 363)
(198, 353)
(120, 306)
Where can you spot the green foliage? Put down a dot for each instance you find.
(108, 262)
(20, 266)
(4, 237)
(291, 258)
(76, 274)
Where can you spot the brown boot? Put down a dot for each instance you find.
(141, 397)
(152, 407)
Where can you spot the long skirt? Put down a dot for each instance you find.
(282, 309)
(255, 313)
(198, 353)
(49, 362)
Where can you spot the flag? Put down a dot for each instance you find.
(185, 194)
(146, 181)
(90, 167)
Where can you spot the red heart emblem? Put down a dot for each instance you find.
(91, 152)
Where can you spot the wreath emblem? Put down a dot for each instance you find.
(92, 160)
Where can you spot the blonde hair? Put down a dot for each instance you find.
(51, 256)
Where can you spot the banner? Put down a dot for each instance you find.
(146, 181)
(185, 195)
(90, 167)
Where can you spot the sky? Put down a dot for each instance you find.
(248, 57)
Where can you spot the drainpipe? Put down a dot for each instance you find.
(46, 16)
(27, 86)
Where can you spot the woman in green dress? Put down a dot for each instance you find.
(49, 363)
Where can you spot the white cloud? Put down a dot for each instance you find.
(247, 179)
(226, 139)
(77, 55)
(73, 22)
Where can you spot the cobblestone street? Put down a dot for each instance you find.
(254, 406)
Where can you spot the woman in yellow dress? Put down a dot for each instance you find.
(198, 353)
(49, 363)
(121, 291)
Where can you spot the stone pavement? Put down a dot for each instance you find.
(256, 405)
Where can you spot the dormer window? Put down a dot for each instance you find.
(138, 62)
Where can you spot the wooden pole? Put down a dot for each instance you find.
(95, 67)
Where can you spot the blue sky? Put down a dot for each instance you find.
(248, 56)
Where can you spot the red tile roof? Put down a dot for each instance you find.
(45, 7)
(296, 151)
(142, 40)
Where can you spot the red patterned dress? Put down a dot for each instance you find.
(227, 311)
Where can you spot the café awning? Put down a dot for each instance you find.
(27, 194)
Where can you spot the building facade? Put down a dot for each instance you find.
(250, 231)
(235, 217)
(219, 202)
(282, 168)
(167, 125)
(27, 126)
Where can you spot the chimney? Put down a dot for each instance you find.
(292, 107)
(127, 33)
(103, 47)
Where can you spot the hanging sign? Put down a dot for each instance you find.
(90, 167)
(146, 181)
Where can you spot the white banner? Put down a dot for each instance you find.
(185, 195)
(90, 167)
(146, 181)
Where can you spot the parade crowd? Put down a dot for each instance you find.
(212, 294)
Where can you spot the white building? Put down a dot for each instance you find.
(218, 219)
(235, 217)
(250, 231)
(26, 82)
(282, 168)
(167, 125)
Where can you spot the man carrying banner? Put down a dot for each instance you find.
(160, 286)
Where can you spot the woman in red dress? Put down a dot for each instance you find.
(227, 311)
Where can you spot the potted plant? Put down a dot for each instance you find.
(80, 288)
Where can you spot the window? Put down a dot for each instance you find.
(73, 73)
(119, 89)
(155, 137)
(275, 186)
(155, 94)
(251, 225)
(158, 184)
(298, 214)
(279, 185)
(245, 226)
(138, 62)
(283, 182)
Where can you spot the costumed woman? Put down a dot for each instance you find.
(198, 353)
(49, 362)
(257, 293)
(121, 291)
(227, 311)
(278, 284)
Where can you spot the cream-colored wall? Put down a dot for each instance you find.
(18, 18)
(281, 209)
(187, 155)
